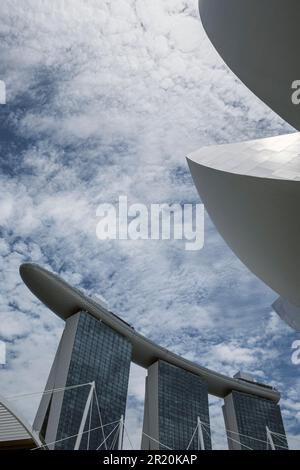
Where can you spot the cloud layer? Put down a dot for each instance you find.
(106, 99)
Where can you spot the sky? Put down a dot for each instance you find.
(107, 98)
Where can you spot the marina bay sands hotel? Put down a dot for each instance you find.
(97, 348)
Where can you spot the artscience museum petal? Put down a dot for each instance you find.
(251, 191)
(258, 40)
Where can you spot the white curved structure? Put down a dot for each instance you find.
(251, 191)
(258, 40)
(65, 301)
(15, 432)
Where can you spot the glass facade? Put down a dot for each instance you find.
(182, 398)
(252, 416)
(101, 355)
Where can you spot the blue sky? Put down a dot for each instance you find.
(106, 99)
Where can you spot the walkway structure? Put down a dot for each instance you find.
(15, 432)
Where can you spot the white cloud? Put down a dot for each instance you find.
(106, 98)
